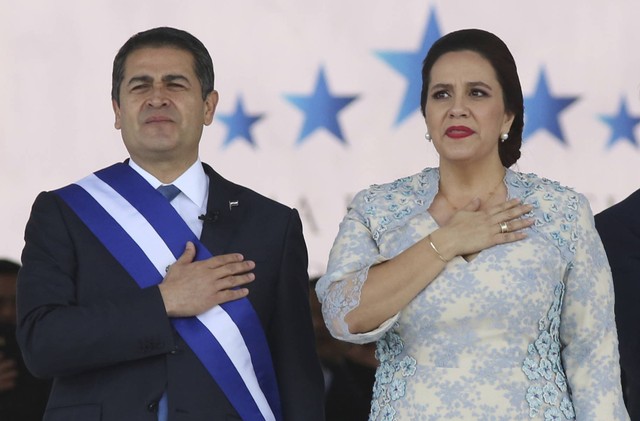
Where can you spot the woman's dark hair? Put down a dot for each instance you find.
(165, 37)
(494, 50)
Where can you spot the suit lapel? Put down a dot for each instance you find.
(224, 210)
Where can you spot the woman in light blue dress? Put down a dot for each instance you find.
(487, 290)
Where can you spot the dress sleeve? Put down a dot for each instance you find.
(588, 330)
(353, 253)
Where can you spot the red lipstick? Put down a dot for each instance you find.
(459, 132)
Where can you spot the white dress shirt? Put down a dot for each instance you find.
(194, 193)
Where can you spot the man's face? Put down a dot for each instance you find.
(161, 112)
(8, 299)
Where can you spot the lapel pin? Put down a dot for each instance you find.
(233, 204)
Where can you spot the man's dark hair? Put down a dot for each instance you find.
(165, 37)
(494, 50)
(8, 267)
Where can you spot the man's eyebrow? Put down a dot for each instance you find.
(172, 78)
(141, 79)
(165, 79)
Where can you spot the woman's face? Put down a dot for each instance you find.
(465, 111)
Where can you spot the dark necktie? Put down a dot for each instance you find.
(169, 191)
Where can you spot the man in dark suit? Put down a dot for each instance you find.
(191, 306)
(619, 228)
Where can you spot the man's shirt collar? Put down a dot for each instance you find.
(193, 183)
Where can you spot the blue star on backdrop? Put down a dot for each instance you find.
(321, 109)
(409, 65)
(622, 125)
(239, 124)
(541, 111)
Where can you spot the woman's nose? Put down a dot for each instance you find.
(458, 108)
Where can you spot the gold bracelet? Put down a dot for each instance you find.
(435, 249)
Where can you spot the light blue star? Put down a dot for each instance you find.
(409, 65)
(321, 109)
(622, 125)
(541, 110)
(239, 124)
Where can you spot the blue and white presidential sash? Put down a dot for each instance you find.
(145, 234)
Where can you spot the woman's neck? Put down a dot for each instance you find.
(458, 186)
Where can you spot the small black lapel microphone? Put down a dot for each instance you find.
(210, 217)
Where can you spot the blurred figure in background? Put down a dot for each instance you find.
(22, 396)
(619, 228)
(348, 370)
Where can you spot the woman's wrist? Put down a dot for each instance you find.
(436, 250)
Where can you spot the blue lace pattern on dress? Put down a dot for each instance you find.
(543, 365)
(434, 366)
(378, 209)
(390, 384)
(398, 209)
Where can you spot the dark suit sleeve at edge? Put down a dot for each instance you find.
(619, 229)
(291, 333)
(58, 334)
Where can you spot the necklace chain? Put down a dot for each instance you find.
(491, 193)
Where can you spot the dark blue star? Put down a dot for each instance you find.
(622, 125)
(239, 124)
(321, 109)
(542, 110)
(409, 65)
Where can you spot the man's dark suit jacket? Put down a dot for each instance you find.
(619, 228)
(109, 345)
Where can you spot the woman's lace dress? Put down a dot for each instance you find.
(523, 331)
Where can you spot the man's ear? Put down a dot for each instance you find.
(210, 104)
(116, 111)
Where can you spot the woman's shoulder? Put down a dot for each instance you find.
(416, 188)
(383, 207)
(542, 190)
(557, 209)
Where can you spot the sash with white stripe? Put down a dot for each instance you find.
(144, 233)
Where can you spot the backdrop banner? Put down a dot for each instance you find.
(318, 100)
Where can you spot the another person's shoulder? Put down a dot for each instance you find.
(628, 206)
